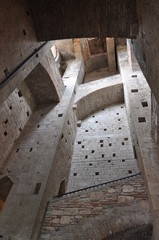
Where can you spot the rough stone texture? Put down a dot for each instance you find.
(146, 45)
(155, 119)
(139, 233)
(103, 149)
(85, 49)
(96, 62)
(49, 65)
(33, 161)
(96, 95)
(92, 61)
(78, 48)
(21, 43)
(45, 81)
(98, 74)
(111, 54)
(14, 114)
(20, 35)
(77, 19)
(66, 48)
(132, 60)
(41, 86)
(140, 122)
(97, 213)
(18, 41)
(97, 45)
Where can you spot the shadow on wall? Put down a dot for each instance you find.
(41, 86)
(139, 233)
(62, 188)
(63, 54)
(5, 187)
(97, 45)
(36, 90)
(98, 99)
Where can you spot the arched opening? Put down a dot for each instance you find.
(41, 86)
(5, 187)
(62, 188)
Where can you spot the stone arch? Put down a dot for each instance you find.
(98, 99)
(41, 86)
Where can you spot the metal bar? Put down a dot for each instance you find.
(13, 73)
(98, 185)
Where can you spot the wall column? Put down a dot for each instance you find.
(111, 54)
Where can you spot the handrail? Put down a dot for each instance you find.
(13, 73)
(97, 185)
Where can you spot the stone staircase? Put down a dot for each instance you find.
(97, 212)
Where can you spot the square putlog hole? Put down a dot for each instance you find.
(144, 104)
(141, 119)
(134, 90)
(20, 94)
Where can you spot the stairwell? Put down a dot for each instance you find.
(98, 212)
(114, 210)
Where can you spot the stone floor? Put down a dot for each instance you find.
(103, 149)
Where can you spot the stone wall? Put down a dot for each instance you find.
(138, 101)
(103, 149)
(97, 95)
(96, 62)
(14, 114)
(155, 119)
(97, 213)
(111, 54)
(97, 45)
(20, 51)
(66, 49)
(146, 45)
(60, 167)
(40, 160)
(18, 39)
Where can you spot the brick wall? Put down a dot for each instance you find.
(77, 19)
(155, 119)
(111, 54)
(96, 95)
(146, 45)
(18, 39)
(14, 114)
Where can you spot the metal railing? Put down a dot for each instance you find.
(98, 185)
(22, 64)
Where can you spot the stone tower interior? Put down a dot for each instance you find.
(79, 120)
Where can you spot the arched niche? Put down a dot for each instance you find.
(5, 187)
(42, 86)
(62, 188)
